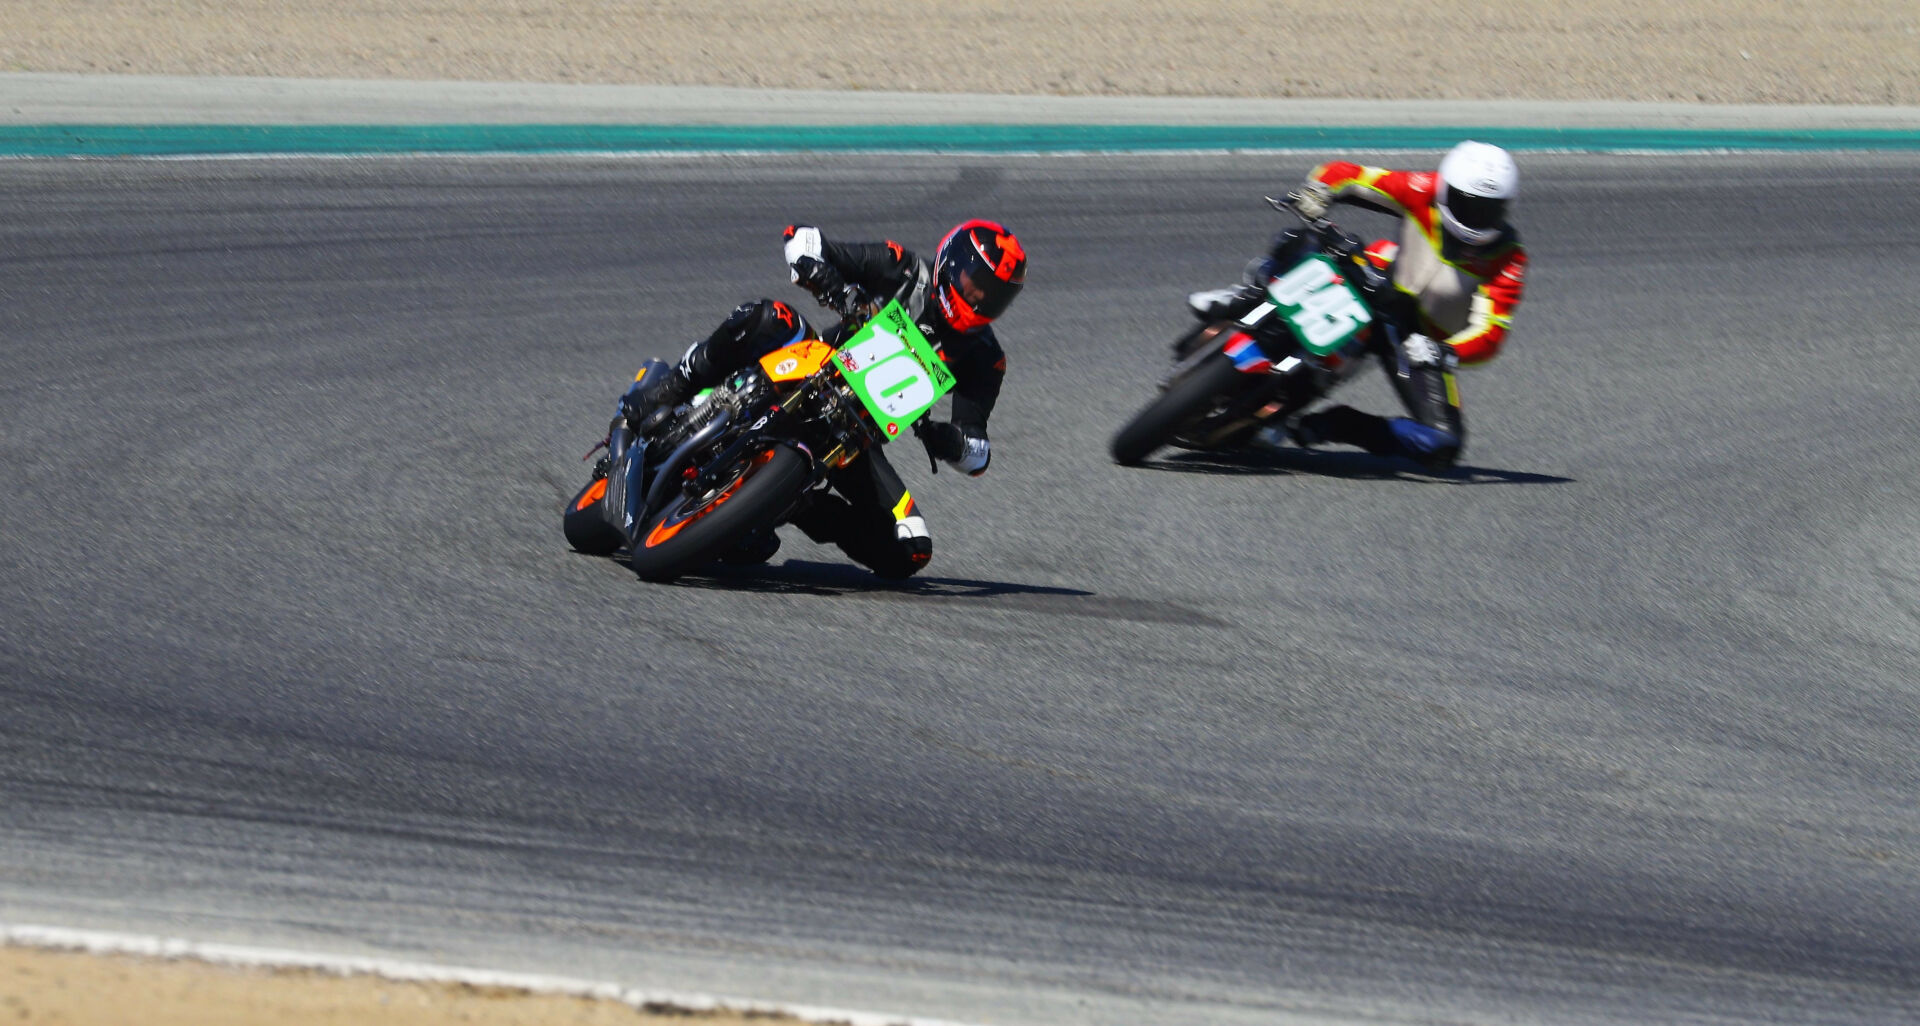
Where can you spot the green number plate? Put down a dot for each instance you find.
(1323, 310)
(894, 370)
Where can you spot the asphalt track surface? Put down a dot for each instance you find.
(1615, 724)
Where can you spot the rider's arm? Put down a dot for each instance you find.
(881, 269)
(977, 375)
(1376, 188)
(1491, 312)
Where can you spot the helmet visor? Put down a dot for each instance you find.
(974, 281)
(1477, 214)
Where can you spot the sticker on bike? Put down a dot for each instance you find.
(1324, 311)
(893, 370)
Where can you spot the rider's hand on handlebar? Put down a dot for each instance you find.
(1311, 199)
(848, 301)
(818, 277)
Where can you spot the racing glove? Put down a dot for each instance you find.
(967, 451)
(806, 254)
(818, 277)
(1312, 199)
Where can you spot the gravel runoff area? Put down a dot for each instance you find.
(1729, 51)
(1737, 52)
(66, 988)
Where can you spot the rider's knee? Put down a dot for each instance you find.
(912, 549)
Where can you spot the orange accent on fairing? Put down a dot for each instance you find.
(595, 492)
(808, 355)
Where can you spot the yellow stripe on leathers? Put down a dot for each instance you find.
(903, 508)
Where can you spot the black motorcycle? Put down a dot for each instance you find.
(1324, 310)
(741, 458)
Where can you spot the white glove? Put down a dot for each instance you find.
(802, 241)
(1311, 199)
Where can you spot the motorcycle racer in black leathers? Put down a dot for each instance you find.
(976, 272)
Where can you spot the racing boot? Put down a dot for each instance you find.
(1222, 304)
(1234, 301)
(1348, 426)
(651, 399)
(1300, 431)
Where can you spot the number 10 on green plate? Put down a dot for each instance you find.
(894, 370)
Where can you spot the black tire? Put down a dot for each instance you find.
(696, 529)
(585, 521)
(1183, 402)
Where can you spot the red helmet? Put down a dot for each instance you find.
(978, 270)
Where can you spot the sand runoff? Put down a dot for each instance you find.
(43, 987)
(1729, 51)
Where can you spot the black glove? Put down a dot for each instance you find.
(818, 277)
(942, 440)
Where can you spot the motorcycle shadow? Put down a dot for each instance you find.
(1351, 465)
(804, 577)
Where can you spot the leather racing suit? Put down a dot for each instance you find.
(1465, 295)
(873, 519)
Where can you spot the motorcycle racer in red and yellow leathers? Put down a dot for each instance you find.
(1458, 258)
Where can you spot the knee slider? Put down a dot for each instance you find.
(911, 533)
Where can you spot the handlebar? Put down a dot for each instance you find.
(1340, 244)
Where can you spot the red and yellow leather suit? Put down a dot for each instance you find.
(1467, 295)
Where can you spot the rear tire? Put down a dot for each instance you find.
(693, 530)
(585, 521)
(1184, 401)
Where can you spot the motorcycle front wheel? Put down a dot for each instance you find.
(696, 529)
(585, 521)
(1184, 402)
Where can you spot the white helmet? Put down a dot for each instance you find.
(1477, 180)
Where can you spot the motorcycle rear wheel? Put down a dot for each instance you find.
(696, 529)
(1185, 401)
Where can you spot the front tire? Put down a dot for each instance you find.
(1184, 401)
(693, 530)
(585, 521)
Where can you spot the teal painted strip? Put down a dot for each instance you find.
(178, 140)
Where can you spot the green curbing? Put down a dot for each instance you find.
(203, 140)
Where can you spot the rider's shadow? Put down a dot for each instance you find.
(1352, 465)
